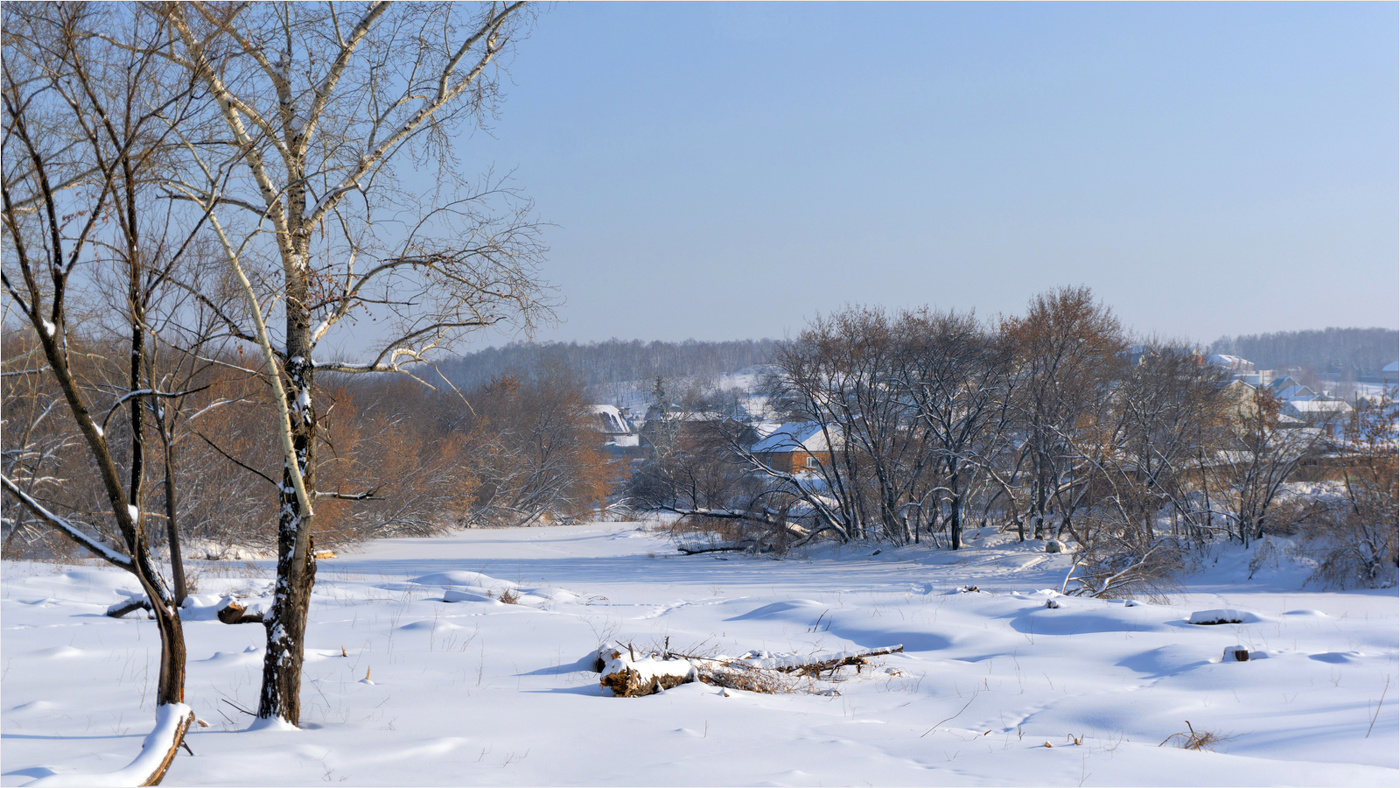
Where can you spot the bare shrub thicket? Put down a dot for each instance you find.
(539, 457)
(909, 426)
(1355, 540)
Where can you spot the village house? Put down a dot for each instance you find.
(1320, 410)
(796, 447)
(611, 422)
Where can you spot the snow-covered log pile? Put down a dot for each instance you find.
(755, 671)
(811, 664)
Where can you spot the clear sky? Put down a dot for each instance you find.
(723, 171)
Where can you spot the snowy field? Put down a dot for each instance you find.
(476, 692)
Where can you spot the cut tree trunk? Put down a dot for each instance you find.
(230, 612)
(629, 679)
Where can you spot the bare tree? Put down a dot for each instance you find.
(951, 377)
(1138, 455)
(85, 128)
(1070, 349)
(842, 374)
(1264, 452)
(309, 106)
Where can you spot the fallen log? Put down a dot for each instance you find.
(807, 665)
(756, 671)
(230, 612)
(688, 549)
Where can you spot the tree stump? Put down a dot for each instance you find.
(230, 612)
(1235, 654)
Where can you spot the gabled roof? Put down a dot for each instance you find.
(797, 436)
(1291, 393)
(610, 420)
(1320, 406)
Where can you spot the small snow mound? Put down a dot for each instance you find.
(1337, 657)
(435, 626)
(552, 594)
(461, 578)
(466, 595)
(1222, 616)
(273, 724)
(59, 652)
(233, 658)
(775, 610)
(1306, 612)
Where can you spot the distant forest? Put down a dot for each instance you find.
(1359, 352)
(603, 365)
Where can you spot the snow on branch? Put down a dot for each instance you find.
(101, 549)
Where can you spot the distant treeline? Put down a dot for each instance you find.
(601, 366)
(1347, 351)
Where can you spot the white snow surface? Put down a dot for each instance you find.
(477, 692)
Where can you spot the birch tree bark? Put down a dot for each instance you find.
(310, 105)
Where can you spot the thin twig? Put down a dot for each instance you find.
(955, 716)
(1378, 709)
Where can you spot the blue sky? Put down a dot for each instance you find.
(726, 170)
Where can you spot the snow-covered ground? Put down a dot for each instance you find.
(479, 692)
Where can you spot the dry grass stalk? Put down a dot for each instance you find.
(1191, 740)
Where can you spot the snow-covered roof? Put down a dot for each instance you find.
(765, 428)
(1228, 361)
(610, 420)
(1319, 406)
(794, 436)
(1295, 393)
(1393, 366)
